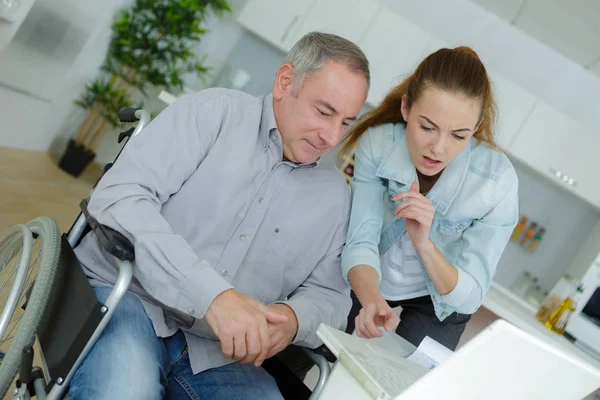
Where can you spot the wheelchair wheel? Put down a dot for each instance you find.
(29, 256)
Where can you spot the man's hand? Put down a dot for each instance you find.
(282, 334)
(240, 323)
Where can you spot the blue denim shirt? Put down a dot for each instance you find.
(476, 206)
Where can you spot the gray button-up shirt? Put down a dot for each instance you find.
(204, 196)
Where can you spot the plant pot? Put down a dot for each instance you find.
(75, 158)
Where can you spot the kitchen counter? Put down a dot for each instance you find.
(513, 309)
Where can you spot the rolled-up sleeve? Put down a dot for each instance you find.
(366, 218)
(152, 167)
(481, 247)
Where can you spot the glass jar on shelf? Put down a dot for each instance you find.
(534, 296)
(564, 288)
(523, 283)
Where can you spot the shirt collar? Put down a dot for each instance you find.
(270, 133)
(398, 166)
(268, 125)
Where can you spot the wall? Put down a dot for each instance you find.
(586, 255)
(57, 49)
(262, 68)
(8, 29)
(537, 68)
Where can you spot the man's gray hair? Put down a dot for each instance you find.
(314, 49)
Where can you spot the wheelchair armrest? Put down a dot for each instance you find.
(325, 352)
(324, 370)
(112, 241)
(128, 115)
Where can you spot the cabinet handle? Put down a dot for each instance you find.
(563, 177)
(289, 28)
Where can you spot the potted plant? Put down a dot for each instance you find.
(152, 45)
(102, 100)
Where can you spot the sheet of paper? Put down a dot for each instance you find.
(430, 353)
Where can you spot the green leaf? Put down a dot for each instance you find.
(157, 40)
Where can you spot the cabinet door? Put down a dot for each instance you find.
(274, 20)
(562, 149)
(394, 47)
(514, 105)
(347, 19)
(433, 44)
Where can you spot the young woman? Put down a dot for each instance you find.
(433, 202)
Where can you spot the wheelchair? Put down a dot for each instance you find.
(48, 297)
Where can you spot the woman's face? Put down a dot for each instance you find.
(439, 125)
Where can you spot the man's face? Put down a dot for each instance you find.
(315, 118)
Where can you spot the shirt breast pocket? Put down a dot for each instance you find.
(449, 231)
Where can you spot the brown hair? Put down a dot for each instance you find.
(456, 70)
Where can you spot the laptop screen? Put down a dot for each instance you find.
(592, 307)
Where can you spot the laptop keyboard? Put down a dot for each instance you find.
(392, 379)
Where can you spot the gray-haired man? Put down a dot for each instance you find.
(238, 224)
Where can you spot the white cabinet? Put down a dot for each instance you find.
(347, 19)
(394, 47)
(562, 149)
(514, 105)
(433, 45)
(274, 20)
(9, 29)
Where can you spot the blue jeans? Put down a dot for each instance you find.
(130, 362)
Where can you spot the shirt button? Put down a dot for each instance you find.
(459, 229)
(261, 200)
(224, 272)
(191, 311)
(242, 236)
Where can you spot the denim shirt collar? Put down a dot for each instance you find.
(398, 166)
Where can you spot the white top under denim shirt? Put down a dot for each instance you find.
(401, 271)
(476, 202)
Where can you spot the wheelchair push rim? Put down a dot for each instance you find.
(19, 238)
(34, 291)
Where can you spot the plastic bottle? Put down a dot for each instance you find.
(519, 228)
(536, 240)
(529, 233)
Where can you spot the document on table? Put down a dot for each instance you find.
(430, 353)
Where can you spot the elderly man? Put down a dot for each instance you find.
(238, 224)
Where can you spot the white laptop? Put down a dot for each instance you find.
(502, 362)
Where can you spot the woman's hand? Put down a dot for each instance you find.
(374, 315)
(418, 212)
